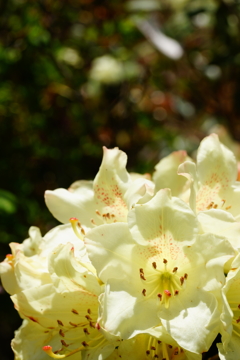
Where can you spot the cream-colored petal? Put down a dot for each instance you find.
(166, 174)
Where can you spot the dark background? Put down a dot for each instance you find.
(56, 113)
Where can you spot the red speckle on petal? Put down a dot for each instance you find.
(32, 318)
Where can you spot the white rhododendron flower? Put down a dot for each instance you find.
(230, 349)
(155, 268)
(107, 199)
(65, 311)
(140, 269)
(214, 176)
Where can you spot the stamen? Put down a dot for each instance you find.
(142, 276)
(64, 344)
(74, 311)
(93, 222)
(210, 205)
(76, 225)
(175, 269)
(61, 333)
(165, 352)
(72, 324)
(144, 292)
(154, 265)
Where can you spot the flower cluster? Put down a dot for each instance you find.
(140, 269)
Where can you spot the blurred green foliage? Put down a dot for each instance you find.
(79, 74)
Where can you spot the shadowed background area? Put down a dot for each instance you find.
(148, 76)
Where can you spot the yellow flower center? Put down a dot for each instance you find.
(163, 283)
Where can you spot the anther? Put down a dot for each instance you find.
(153, 348)
(64, 344)
(154, 265)
(181, 280)
(74, 311)
(61, 333)
(228, 207)
(92, 324)
(159, 296)
(175, 269)
(148, 352)
(84, 343)
(215, 206)
(144, 292)
(89, 311)
(86, 331)
(72, 324)
(82, 231)
(88, 317)
(98, 212)
(142, 276)
(239, 306)
(165, 261)
(60, 322)
(223, 202)
(185, 276)
(210, 205)
(176, 292)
